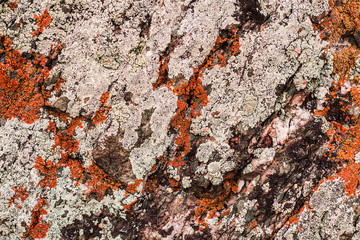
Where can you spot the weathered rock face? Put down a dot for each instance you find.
(184, 119)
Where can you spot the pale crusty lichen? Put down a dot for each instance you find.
(198, 29)
(264, 63)
(112, 47)
(244, 91)
(94, 60)
(186, 182)
(331, 215)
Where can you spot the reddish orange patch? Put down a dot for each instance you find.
(128, 207)
(344, 141)
(343, 19)
(132, 187)
(37, 228)
(19, 193)
(21, 83)
(48, 169)
(99, 181)
(65, 142)
(100, 114)
(43, 21)
(12, 5)
(208, 207)
(292, 219)
(191, 95)
(23, 94)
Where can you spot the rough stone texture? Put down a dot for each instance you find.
(179, 119)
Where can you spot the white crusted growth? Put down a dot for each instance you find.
(186, 182)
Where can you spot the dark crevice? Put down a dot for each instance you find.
(249, 11)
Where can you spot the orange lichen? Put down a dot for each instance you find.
(22, 95)
(76, 169)
(292, 219)
(51, 127)
(100, 114)
(12, 5)
(351, 176)
(253, 224)
(163, 78)
(132, 187)
(344, 60)
(19, 193)
(355, 96)
(21, 82)
(191, 95)
(37, 228)
(43, 21)
(48, 169)
(65, 139)
(226, 212)
(66, 144)
(24, 90)
(174, 184)
(54, 52)
(99, 181)
(128, 207)
(344, 141)
(209, 207)
(150, 186)
(58, 85)
(343, 21)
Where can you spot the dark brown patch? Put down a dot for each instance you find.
(310, 103)
(128, 96)
(265, 142)
(144, 130)
(300, 152)
(280, 88)
(66, 8)
(203, 235)
(357, 38)
(145, 26)
(337, 110)
(249, 11)
(113, 159)
(88, 225)
(164, 233)
(241, 140)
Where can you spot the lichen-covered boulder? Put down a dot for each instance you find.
(179, 119)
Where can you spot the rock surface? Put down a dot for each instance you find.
(179, 119)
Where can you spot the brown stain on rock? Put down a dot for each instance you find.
(144, 130)
(114, 160)
(62, 103)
